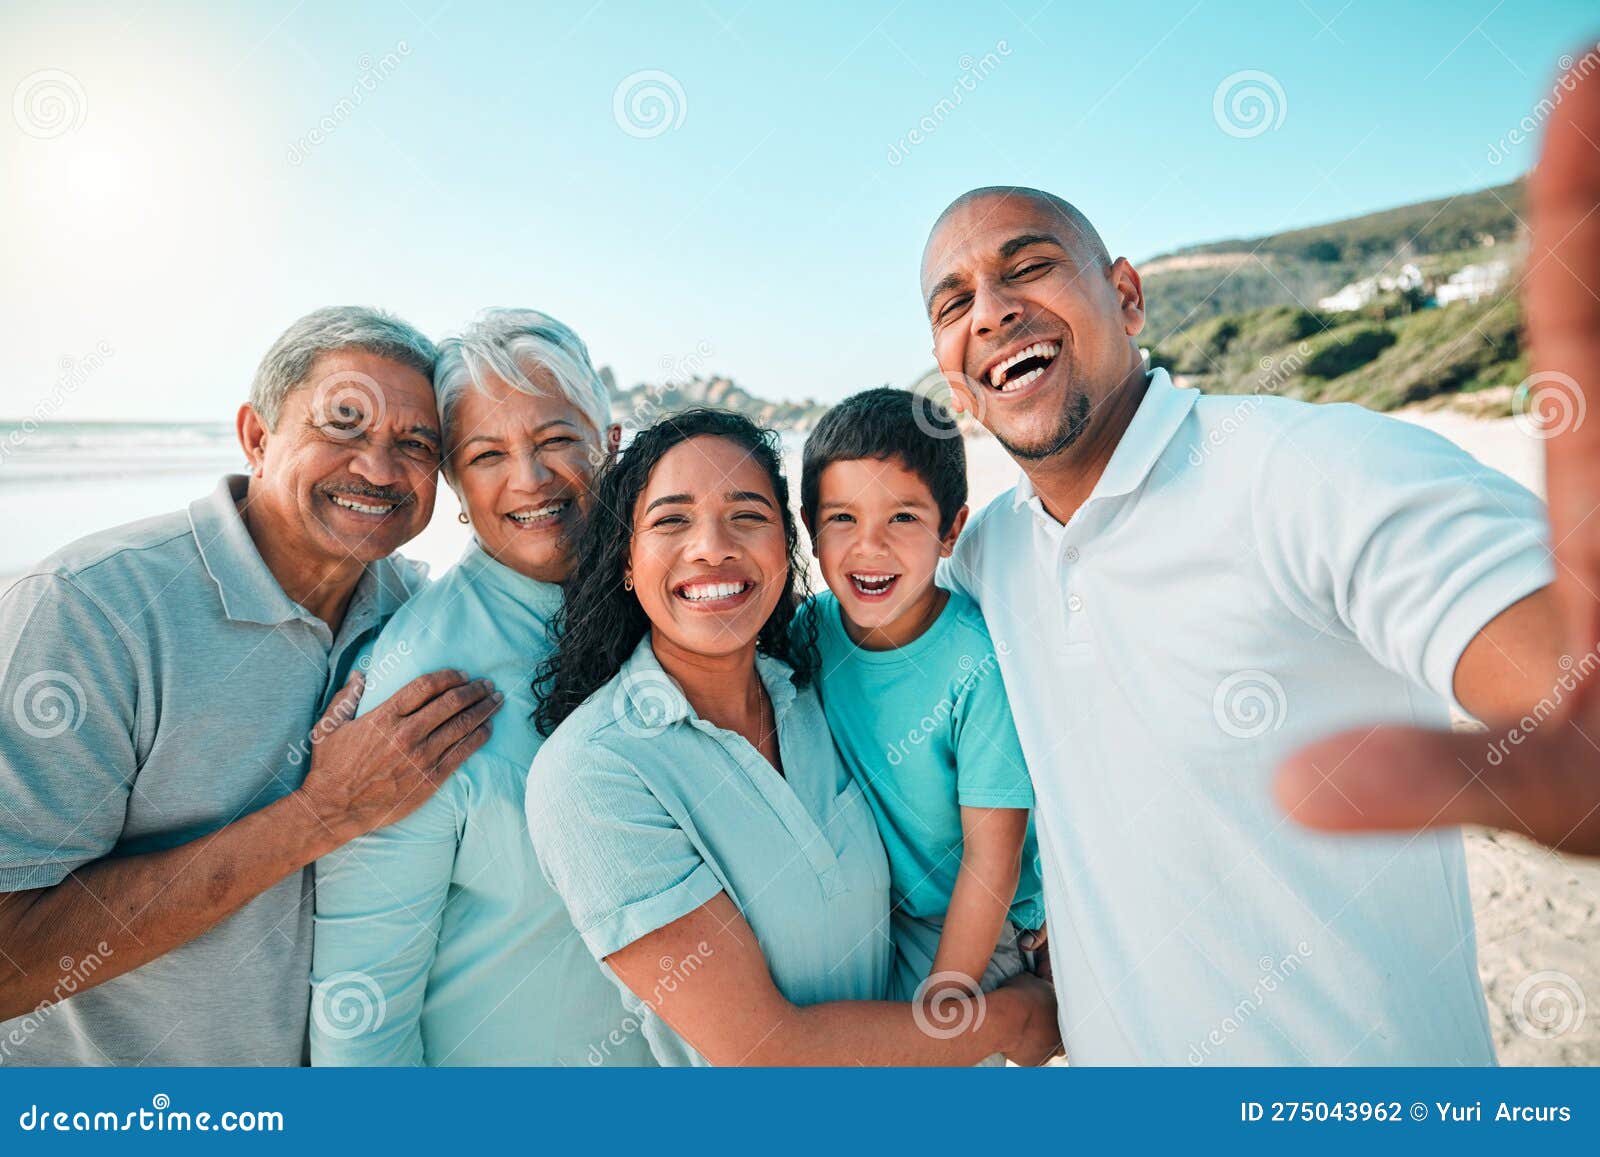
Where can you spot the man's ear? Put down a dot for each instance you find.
(1130, 295)
(948, 543)
(613, 439)
(253, 435)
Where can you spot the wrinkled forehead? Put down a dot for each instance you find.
(972, 231)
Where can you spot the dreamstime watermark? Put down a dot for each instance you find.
(648, 103)
(49, 103)
(75, 976)
(1573, 672)
(646, 406)
(1548, 1004)
(49, 703)
(944, 1006)
(673, 974)
(347, 1004)
(1249, 103)
(160, 1117)
(1547, 404)
(1572, 72)
(370, 665)
(973, 73)
(1274, 373)
(1274, 972)
(974, 671)
(1248, 704)
(373, 74)
(74, 373)
(645, 703)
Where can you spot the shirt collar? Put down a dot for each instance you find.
(1160, 413)
(250, 593)
(542, 598)
(653, 700)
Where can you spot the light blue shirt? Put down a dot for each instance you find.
(1249, 573)
(438, 940)
(642, 812)
(926, 730)
(158, 683)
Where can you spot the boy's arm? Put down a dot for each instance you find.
(986, 886)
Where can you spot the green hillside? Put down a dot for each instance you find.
(1299, 266)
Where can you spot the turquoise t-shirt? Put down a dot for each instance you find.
(926, 730)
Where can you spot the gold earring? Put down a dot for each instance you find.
(627, 582)
(462, 517)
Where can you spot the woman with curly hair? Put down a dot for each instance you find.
(688, 804)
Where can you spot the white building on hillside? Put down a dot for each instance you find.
(1359, 293)
(1473, 282)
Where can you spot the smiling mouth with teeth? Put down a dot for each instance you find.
(873, 586)
(372, 506)
(1023, 367)
(540, 515)
(714, 592)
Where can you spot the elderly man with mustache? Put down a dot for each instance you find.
(164, 791)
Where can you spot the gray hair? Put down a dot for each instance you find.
(513, 345)
(288, 363)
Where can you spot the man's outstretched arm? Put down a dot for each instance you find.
(1543, 780)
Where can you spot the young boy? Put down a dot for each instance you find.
(911, 688)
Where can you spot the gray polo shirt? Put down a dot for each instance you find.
(156, 684)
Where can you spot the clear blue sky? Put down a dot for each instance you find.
(189, 215)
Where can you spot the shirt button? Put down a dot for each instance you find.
(1074, 603)
(1072, 554)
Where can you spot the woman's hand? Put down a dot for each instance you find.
(1039, 1038)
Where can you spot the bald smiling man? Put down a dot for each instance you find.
(1185, 589)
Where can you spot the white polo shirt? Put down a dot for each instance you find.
(1249, 573)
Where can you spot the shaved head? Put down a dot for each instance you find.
(1069, 215)
(1033, 323)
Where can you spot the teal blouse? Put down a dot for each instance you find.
(438, 940)
(642, 812)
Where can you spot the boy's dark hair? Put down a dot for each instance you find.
(885, 423)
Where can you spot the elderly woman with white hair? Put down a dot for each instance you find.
(438, 940)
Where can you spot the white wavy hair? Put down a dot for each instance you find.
(287, 365)
(513, 345)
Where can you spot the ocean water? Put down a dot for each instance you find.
(62, 480)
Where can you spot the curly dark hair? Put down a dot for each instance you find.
(601, 623)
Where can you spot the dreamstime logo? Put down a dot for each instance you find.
(944, 1006)
(74, 975)
(938, 419)
(373, 73)
(49, 104)
(1548, 1004)
(48, 704)
(347, 1004)
(973, 72)
(1274, 373)
(1248, 704)
(1274, 972)
(972, 672)
(347, 404)
(1249, 103)
(644, 703)
(1572, 674)
(674, 974)
(1572, 71)
(649, 103)
(74, 372)
(1547, 404)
